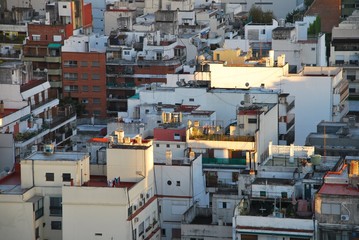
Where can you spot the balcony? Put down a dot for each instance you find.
(28, 137)
(33, 58)
(62, 119)
(53, 59)
(120, 86)
(11, 56)
(39, 107)
(54, 71)
(56, 84)
(224, 161)
(222, 137)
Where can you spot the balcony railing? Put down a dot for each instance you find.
(291, 106)
(224, 161)
(24, 136)
(39, 104)
(221, 137)
(60, 119)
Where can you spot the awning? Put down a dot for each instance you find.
(54, 45)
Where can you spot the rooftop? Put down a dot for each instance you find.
(31, 84)
(57, 156)
(7, 111)
(273, 181)
(338, 189)
(11, 183)
(101, 181)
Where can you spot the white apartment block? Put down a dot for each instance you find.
(344, 53)
(324, 101)
(180, 184)
(299, 49)
(119, 205)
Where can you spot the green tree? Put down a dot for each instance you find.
(256, 15)
(315, 27)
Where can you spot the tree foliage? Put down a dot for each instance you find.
(257, 15)
(295, 15)
(315, 27)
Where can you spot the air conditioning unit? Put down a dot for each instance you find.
(344, 217)
(136, 219)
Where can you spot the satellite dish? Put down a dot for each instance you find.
(247, 84)
(242, 102)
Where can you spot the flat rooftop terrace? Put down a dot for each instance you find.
(57, 156)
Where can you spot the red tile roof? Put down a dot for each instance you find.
(31, 84)
(338, 189)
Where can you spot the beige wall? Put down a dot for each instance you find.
(16, 221)
(79, 170)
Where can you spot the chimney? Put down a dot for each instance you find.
(2, 106)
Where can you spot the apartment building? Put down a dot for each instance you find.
(45, 38)
(120, 203)
(11, 42)
(344, 54)
(32, 194)
(29, 113)
(299, 48)
(336, 202)
(180, 185)
(84, 73)
(133, 59)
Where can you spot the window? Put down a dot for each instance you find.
(71, 88)
(223, 204)
(97, 112)
(39, 208)
(36, 37)
(177, 136)
(85, 88)
(159, 56)
(167, 145)
(126, 53)
(313, 49)
(84, 101)
(141, 229)
(96, 89)
(56, 225)
(49, 177)
(157, 145)
(84, 76)
(95, 64)
(178, 146)
(84, 64)
(55, 206)
(64, 6)
(95, 76)
(331, 208)
(37, 233)
(66, 177)
(252, 120)
(263, 193)
(70, 63)
(169, 182)
(191, 99)
(70, 76)
(163, 232)
(284, 195)
(129, 211)
(96, 101)
(178, 183)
